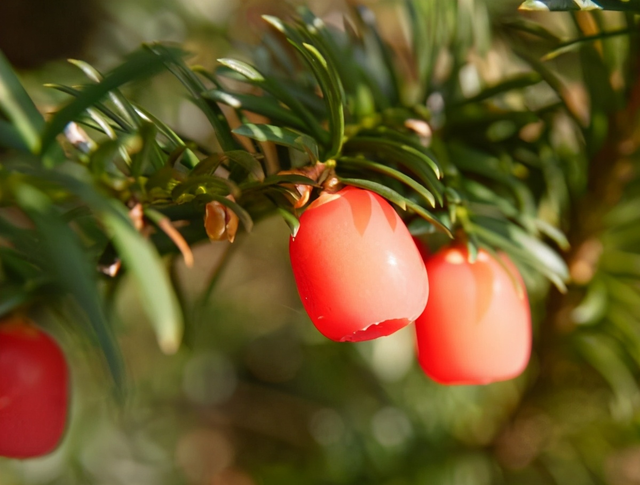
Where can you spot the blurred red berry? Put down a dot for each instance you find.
(476, 328)
(33, 390)
(358, 271)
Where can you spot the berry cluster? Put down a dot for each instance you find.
(361, 276)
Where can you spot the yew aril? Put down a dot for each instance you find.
(357, 269)
(476, 328)
(33, 390)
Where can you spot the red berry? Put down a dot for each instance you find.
(358, 271)
(476, 328)
(33, 390)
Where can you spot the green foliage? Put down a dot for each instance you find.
(546, 5)
(457, 178)
(23, 124)
(538, 162)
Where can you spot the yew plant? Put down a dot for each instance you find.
(517, 186)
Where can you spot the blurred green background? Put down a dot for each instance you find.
(256, 395)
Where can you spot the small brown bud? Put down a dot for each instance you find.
(79, 138)
(313, 172)
(303, 190)
(220, 222)
(136, 213)
(110, 269)
(420, 128)
(331, 184)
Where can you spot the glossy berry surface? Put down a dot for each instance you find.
(33, 390)
(476, 328)
(357, 269)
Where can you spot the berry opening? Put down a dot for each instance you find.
(375, 330)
